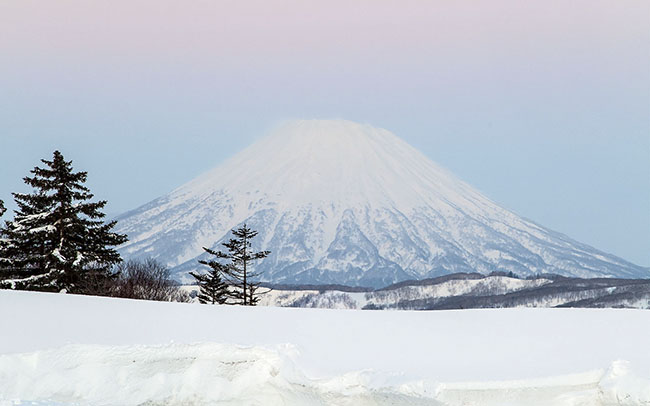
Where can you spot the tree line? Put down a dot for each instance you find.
(58, 241)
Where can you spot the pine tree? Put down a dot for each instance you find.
(237, 272)
(57, 234)
(213, 288)
(4, 270)
(25, 242)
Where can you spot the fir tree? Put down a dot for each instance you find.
(213, 288)
(25, 242)
(3, 243)
(57, 233)
(238, 271)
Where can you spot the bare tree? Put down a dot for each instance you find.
(149, 280)
(98, 281)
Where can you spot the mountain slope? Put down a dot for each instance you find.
(340, 202)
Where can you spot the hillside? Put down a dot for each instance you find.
(469, 291)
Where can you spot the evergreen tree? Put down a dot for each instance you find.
(57, 234)
(3, 243)
(213, 288)
(253, 296)
(238, 271)
(25, 242)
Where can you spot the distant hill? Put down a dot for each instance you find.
(472, 291)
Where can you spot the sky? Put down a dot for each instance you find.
(544, 106)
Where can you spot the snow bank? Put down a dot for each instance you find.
(178, 374)
(64, 349)
(208, 374)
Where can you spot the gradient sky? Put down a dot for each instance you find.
(542, 105)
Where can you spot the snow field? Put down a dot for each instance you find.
(65, 349)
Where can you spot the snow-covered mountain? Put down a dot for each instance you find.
(340, 202)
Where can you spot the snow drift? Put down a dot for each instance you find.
(340, 202)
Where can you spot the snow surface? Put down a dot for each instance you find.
(341, 202)
(64, 349)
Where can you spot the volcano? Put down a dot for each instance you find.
(341, 202)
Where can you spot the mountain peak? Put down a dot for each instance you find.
(324, 128)
(333, 160)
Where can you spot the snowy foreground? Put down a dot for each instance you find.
(75, 350)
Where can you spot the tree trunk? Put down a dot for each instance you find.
(245, 247)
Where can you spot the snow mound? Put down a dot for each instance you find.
(616, 386)
(209, 374)
(178, 374)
